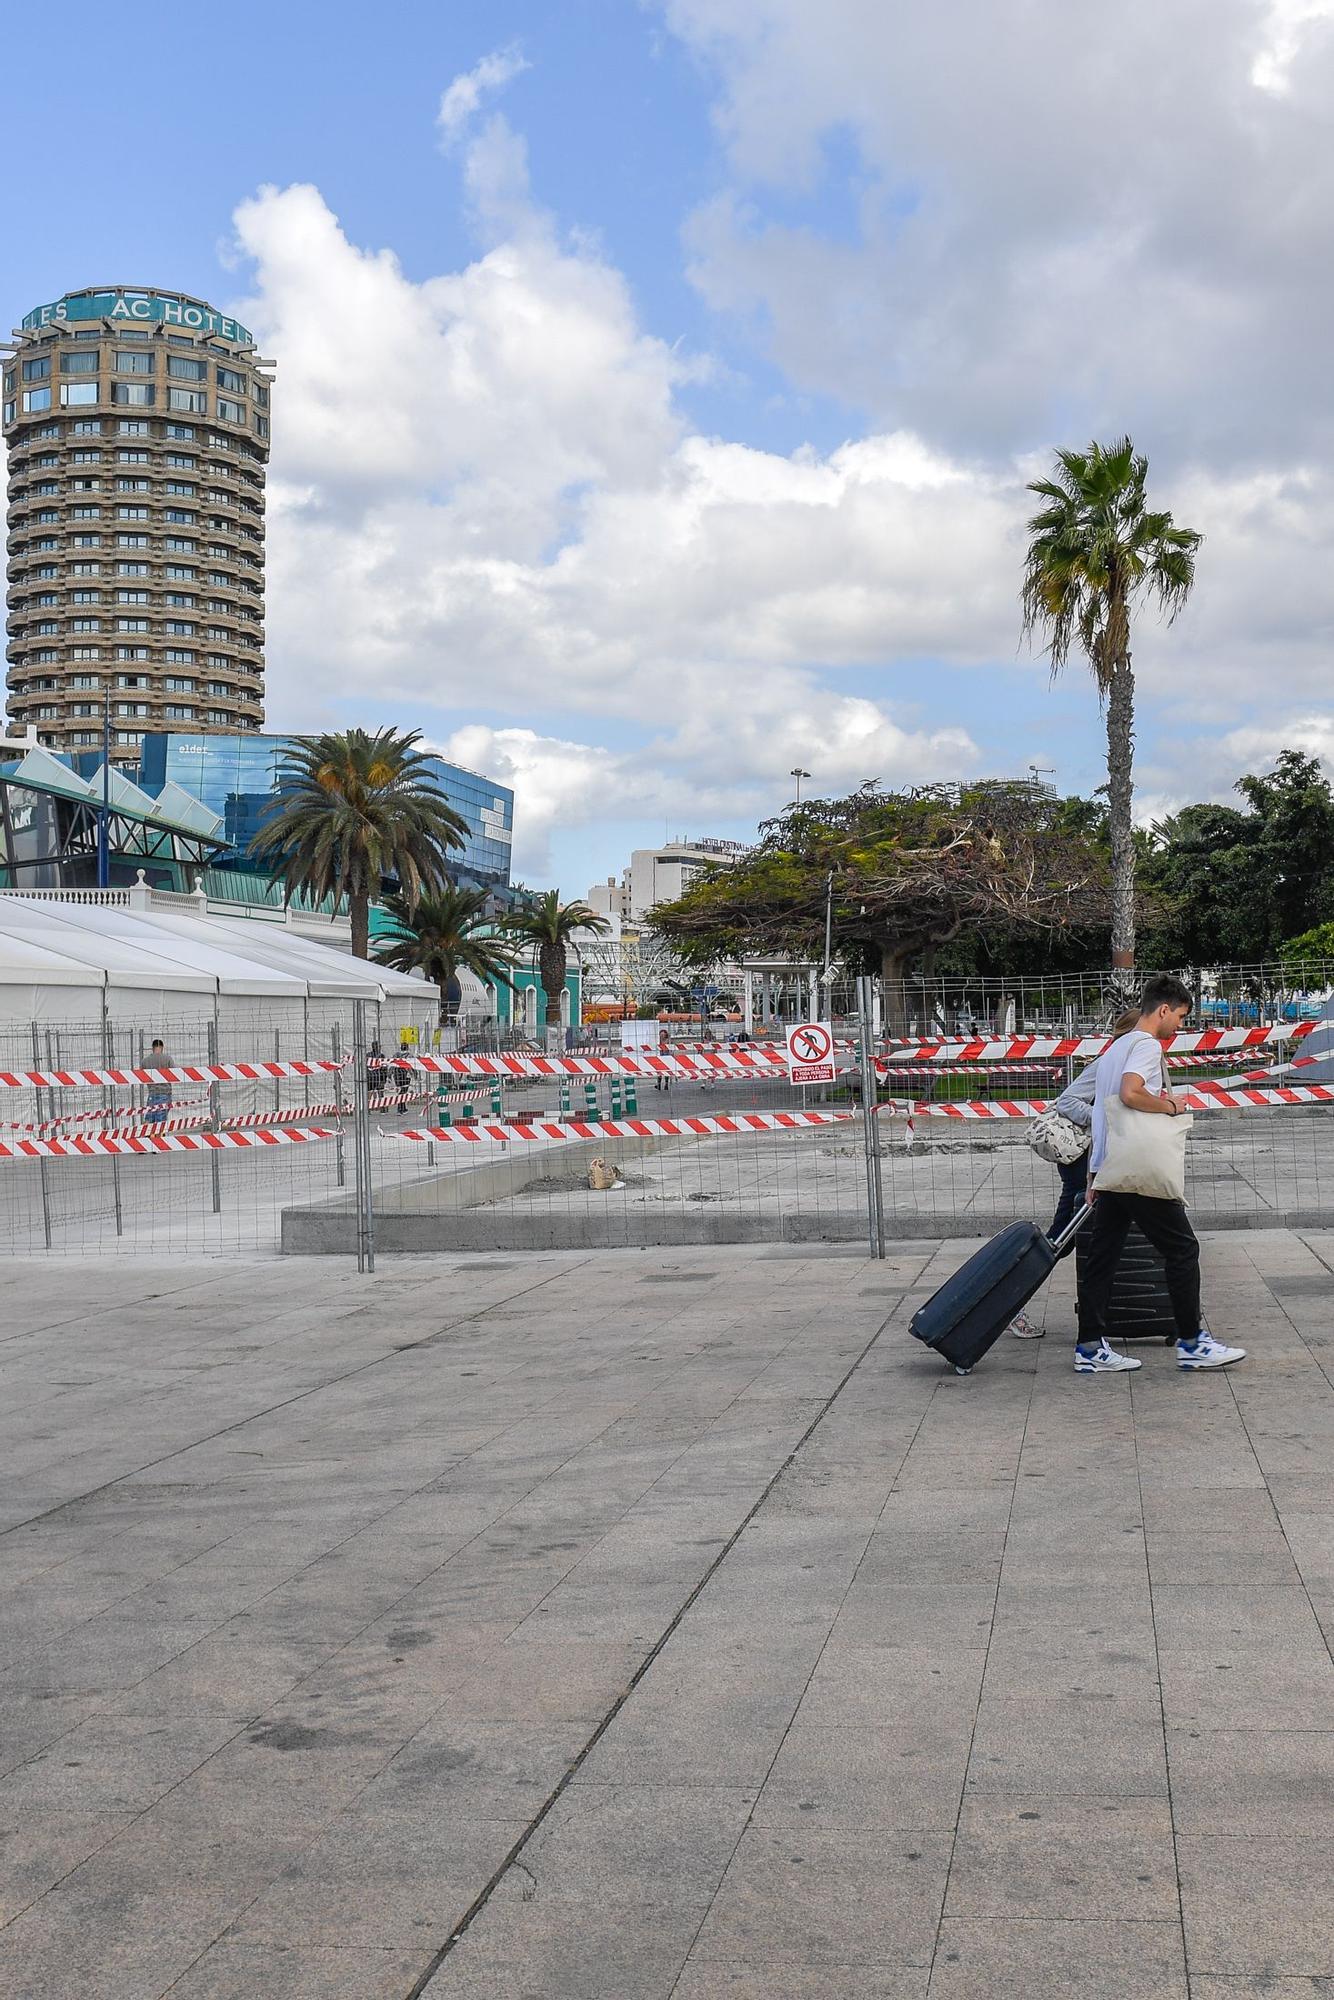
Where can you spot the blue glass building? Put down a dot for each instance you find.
(236, 776)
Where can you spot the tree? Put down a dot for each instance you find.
(1095, 548)
(549, 926)
(1237, 884)
(913, 871)
(351, 809)
(448, 931)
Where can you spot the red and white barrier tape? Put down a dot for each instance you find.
(1197, 1097)
(723, 1125)
(248, 1072)
(1024, 1048)
(95, 1144)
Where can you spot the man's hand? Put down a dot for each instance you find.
(1137, 1096)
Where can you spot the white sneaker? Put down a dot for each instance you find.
(1206, 1352)
(1022, 1327)
(1102, 1360)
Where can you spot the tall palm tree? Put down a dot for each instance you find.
(549, 926)
(447, 932)
(351, 808)
(1094, 549)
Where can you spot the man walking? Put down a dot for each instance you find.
(158, 1105)
(1132, 1070)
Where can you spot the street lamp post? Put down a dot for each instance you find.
(797, 773)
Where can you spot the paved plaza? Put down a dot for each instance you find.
(664, 1623)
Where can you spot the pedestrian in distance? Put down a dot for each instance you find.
(1131, 1072)
(157, 1108)
(1076, 1104)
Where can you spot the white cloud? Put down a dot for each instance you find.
(485, 499)
(1059, 220)
(460, 103)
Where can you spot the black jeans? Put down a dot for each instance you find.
(1074, 1192)
(1167, 1227)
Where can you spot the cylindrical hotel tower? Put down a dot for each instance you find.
(137, 425)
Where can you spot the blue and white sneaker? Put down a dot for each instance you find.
(1102, 1360)
(1206, 1352)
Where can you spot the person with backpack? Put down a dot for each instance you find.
(1142, 1182)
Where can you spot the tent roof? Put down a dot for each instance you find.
(94, 944)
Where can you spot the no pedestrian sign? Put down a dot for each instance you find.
(810, 1053)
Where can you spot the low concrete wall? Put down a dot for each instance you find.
(315, 1232)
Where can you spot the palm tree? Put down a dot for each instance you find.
(351, 808)
(1094, 548)
(549, 925)
(448, 931)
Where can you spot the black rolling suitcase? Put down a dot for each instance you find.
(1141, 1306)
(972, 1309)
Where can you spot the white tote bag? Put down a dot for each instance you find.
(1146, 1153)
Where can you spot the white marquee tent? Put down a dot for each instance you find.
(84, 971)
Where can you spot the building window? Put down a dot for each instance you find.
(181, 460)
(131, 680)
(183, 431)
(83, 681)
(81, 361)
(80, 569)
(36, 399)
(180, 628)
(86, 653)
(85, 625)
(137, 394)
(131, 569)
(220, 687)
(218, 715)
(127, 483)
(74, 393)
(131, 624)
(133, 361)
(179, 656)
(84, 541)
(184, 487)
(131, 541)
(132, 596)
(178, 711)
(232, 380)
(131, 455)
(260, 395)
(45, 653)
(131, 708)
(47, 712)
(177, 684)
(38, 369)
(93, 457)
(85, 485)
(129, 737)
(231, 413)
(180, 515)
(179, 545)
(81, 597)
(84, 707)
(132, 427)
(11, 411)
(48, 513)
(45, 597)
(85, 513)
(193, 400)
(47, 628)
(180, 573)
(129, 512)
(131, 653)
(186, 368)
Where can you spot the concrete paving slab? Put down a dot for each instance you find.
(325, 1597)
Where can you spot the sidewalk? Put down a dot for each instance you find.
(657, 1623)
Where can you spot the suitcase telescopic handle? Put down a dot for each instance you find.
(1072, 1228)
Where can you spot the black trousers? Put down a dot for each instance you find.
(1167, 1227)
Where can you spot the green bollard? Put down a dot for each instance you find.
(616, 1097)
(590, 1097)
(631, 1098)
(563, 1110)
(442, 1104)
(497, 1105)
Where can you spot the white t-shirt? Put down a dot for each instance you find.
(1137, 1052)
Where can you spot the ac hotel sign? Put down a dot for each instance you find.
(129, 308)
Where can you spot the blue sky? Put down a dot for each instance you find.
(800, 305)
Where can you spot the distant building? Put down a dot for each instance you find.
(660, 875)
(137, 427)
(236, 778)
